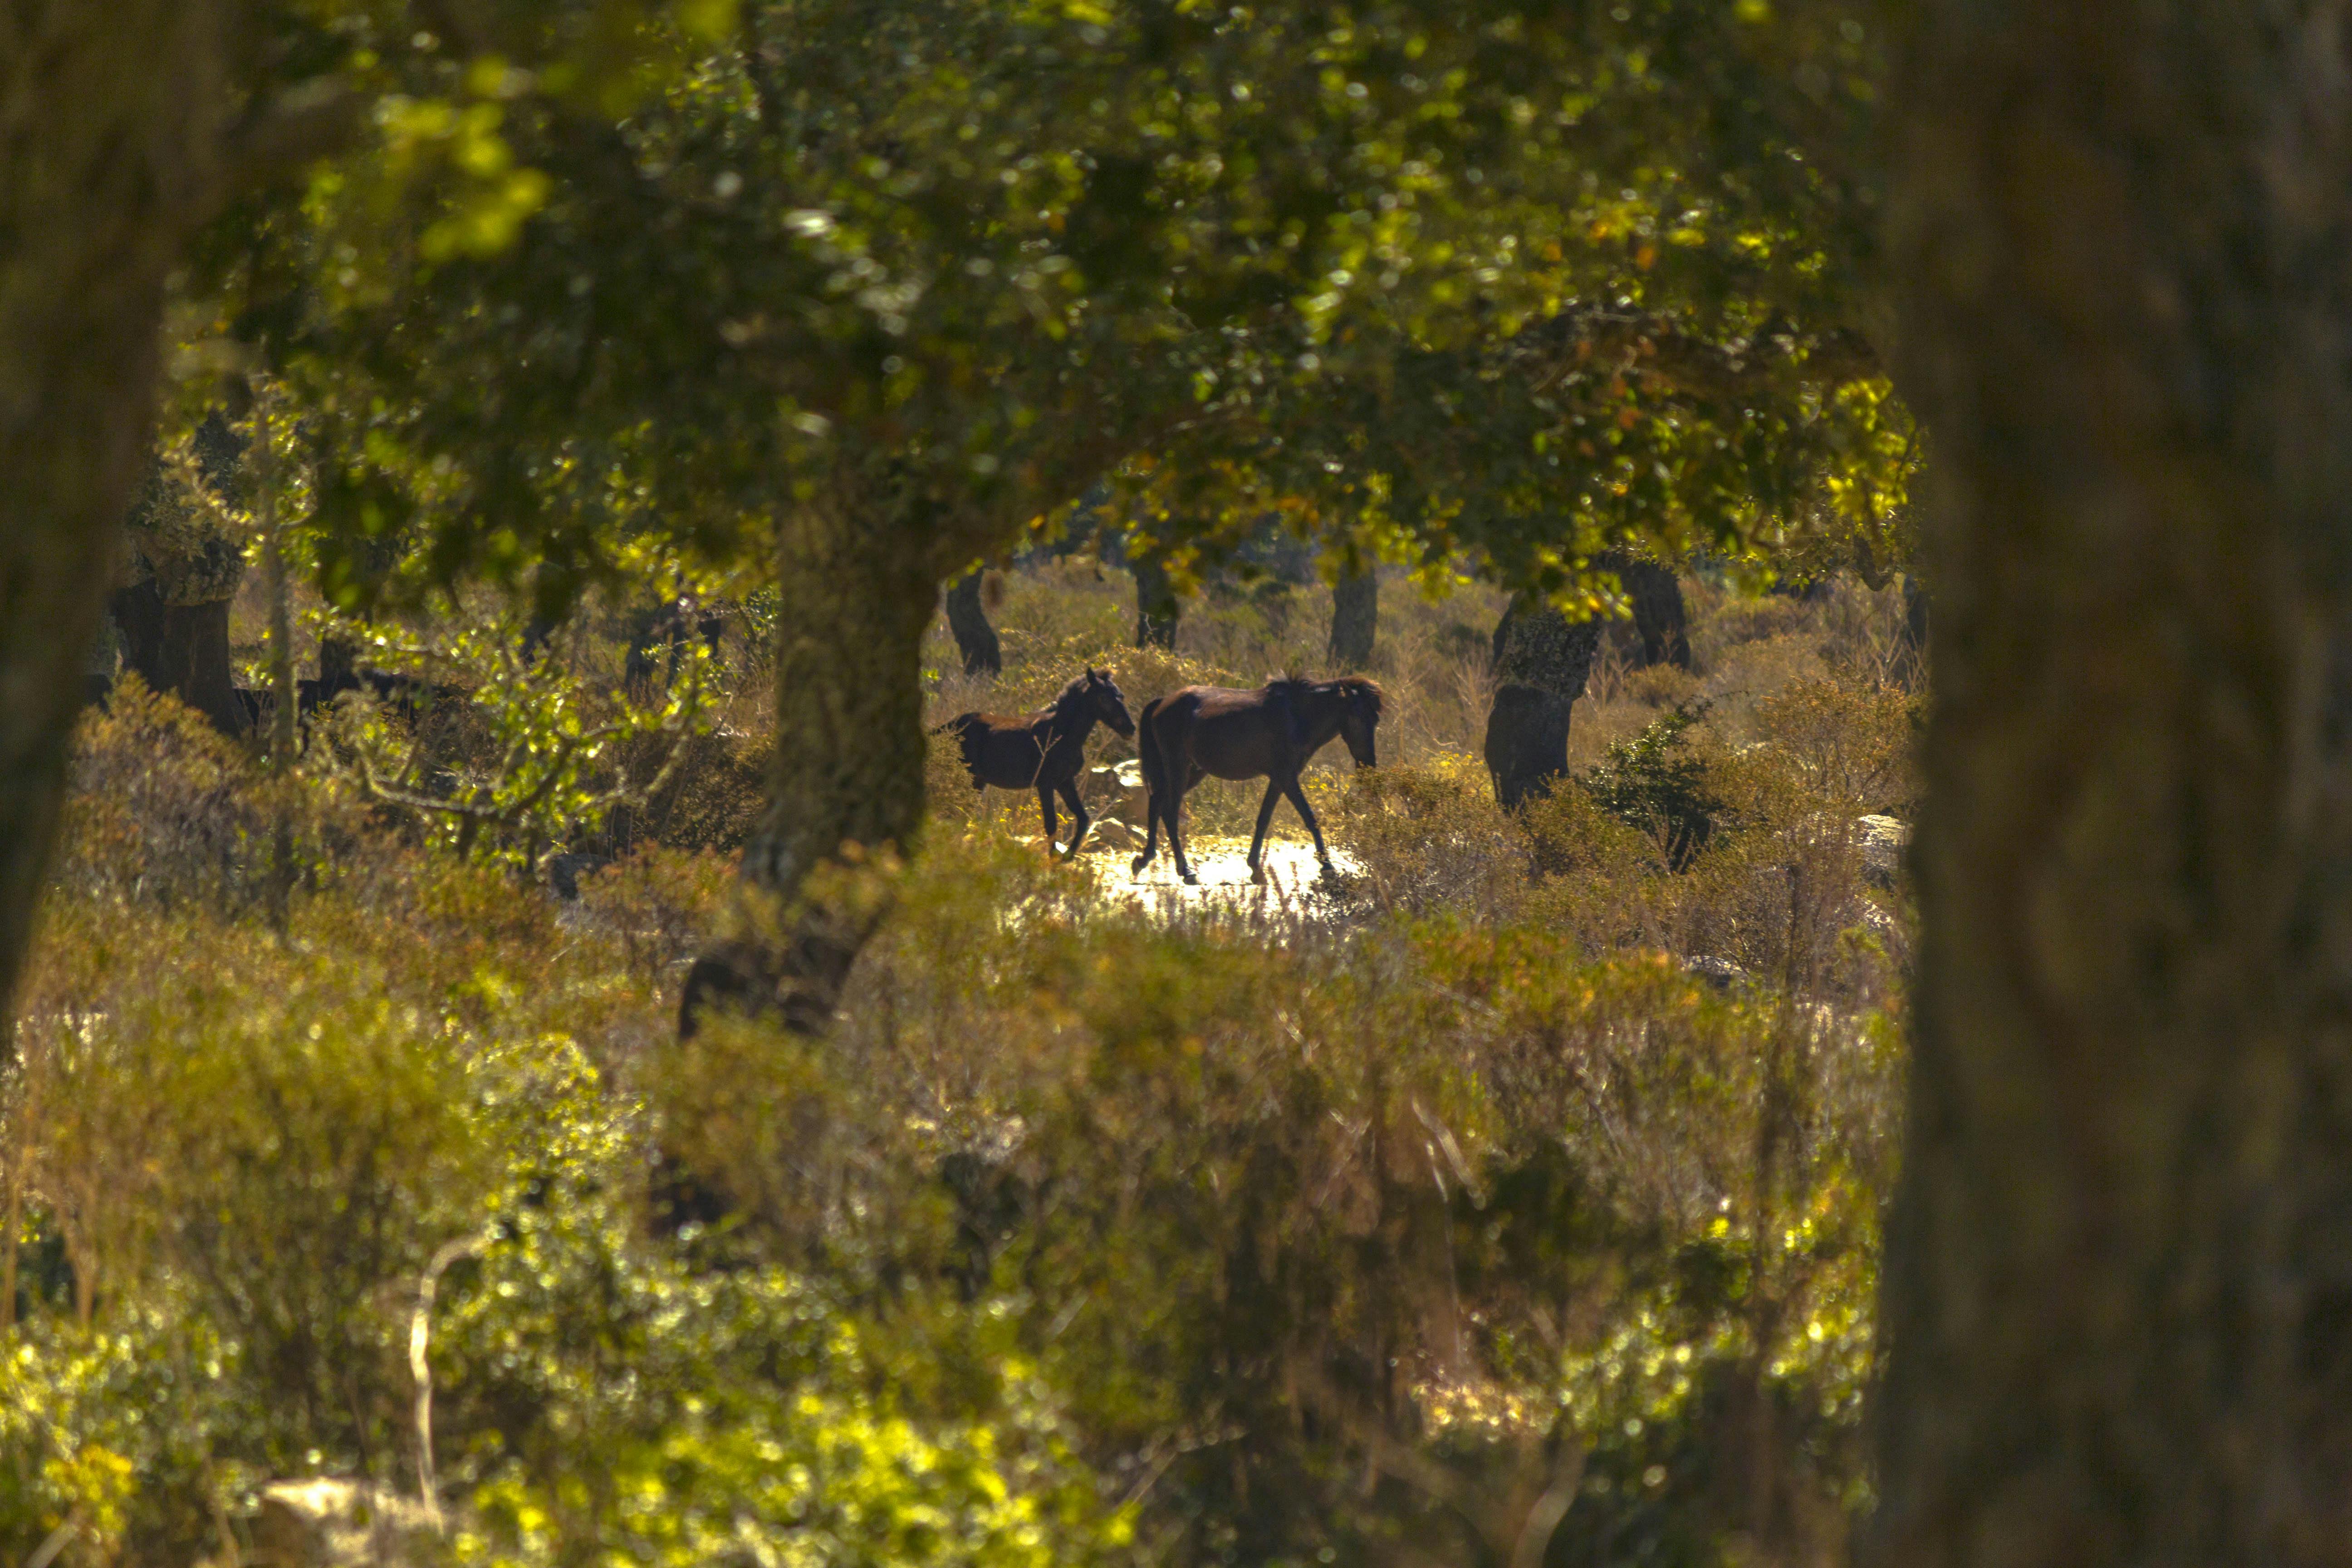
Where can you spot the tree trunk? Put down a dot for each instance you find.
(1156, 605)
(1910, 663)
(1354, 619)
(106, 150)
(1658, 617)
(1541, 661)
(180, 649)
(968, 619)
(2118, 1301)
(847, 777)
(283, 695)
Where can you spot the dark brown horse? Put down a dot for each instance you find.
(1268, 733)
(1043, 752)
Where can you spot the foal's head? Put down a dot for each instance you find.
(1097, 694)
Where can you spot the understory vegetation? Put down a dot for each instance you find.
(1513, 1199)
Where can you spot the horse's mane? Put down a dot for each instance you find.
(1070, 693)
(1345, 685)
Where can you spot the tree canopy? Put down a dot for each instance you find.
(1494, 286)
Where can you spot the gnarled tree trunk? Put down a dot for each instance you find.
(107, 150)
(1541, 662)
(968, 620)
(1354, 619)
(2118, 1293)
(847, 777)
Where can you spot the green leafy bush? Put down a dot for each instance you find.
(1653, 784)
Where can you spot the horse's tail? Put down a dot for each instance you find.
(1155, 778)
(1147, 750)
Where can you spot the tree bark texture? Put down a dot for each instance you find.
(1355, 619)
(968, 619)
(1156, 605)
(1541, 662)
(111, 113)
(2117, 1302)
(848, 777)
(1659, 621)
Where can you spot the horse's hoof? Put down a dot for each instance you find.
(1190, 880)
(1136, 866)
(1257, 876)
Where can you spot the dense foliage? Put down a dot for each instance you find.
(1460, 1203)
(1493, 284)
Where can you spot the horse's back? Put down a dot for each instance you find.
(1000, 749)
(1229, 732)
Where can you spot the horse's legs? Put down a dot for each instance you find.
(1077, 813)
(1174, 813)
(1264, 817)
(1298, 798)
(1151, 831)
(1045, 805)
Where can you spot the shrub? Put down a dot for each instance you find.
(1339, 1227)
(1653, 784)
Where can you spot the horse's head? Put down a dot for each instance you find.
(1109, 702)
(1359, 717)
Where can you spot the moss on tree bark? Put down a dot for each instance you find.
(1542, 660)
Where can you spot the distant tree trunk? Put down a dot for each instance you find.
(1156, 605)
(282, 692)
(180, 649)
(1541, 662)
(968, 619)
(106, 160)
(1658, 617)
(1354, 619)
(1910, 664)
(2117, 1299)
(847, 775)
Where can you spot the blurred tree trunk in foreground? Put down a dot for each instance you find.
(1541, 662)
(2117, 1305)
(968, 619)
(111, 114)
(1354, 619)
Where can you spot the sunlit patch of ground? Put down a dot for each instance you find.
(1221, 864)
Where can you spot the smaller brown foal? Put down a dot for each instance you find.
(1043, 751)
